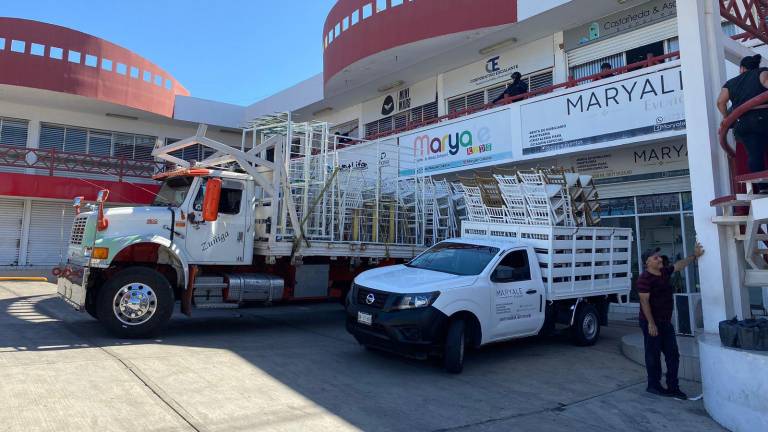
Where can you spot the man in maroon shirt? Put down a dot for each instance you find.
(656, 306)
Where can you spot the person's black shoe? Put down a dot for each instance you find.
(677, 394)
(657, 390)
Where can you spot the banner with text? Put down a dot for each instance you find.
(649, 105)
(471, 143)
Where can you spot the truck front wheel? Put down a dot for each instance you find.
(586, 326)
(136, 302)
(455, 346)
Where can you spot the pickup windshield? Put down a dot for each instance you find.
(455, 258)
(173, 191)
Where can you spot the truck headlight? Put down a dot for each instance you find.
(415, 301)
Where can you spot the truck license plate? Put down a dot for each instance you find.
(364, 318)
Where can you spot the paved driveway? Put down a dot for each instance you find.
(295, 368)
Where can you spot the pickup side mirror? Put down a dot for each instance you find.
(211, 200)
(503, 274)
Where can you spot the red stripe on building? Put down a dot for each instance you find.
(35, 186)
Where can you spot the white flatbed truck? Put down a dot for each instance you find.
(495, 283)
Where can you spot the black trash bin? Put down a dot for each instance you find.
(729, 333)
(753, 335)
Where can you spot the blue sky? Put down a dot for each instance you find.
(235, 51)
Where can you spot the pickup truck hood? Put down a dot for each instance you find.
(402, 279)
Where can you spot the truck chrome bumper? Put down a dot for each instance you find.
(72, 285)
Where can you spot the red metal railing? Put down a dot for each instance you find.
(650, 61)
(749, 15)
(54, 162)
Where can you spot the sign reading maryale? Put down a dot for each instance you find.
(640, 106)
(470, 143)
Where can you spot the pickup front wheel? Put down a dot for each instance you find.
(455, 346)
(586, 326)
(136, 302)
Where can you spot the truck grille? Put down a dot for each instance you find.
(78, 230)
(379, 298)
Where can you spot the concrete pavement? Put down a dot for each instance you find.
(295, 368)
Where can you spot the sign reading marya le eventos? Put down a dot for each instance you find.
(470, 143)
(648, 105)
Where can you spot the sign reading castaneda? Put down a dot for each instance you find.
(644, 106)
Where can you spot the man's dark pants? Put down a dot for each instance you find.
(666, 343)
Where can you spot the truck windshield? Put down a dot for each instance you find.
(173, 191)
(455, 258)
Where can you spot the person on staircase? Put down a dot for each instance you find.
(752, 127)
(656, 306)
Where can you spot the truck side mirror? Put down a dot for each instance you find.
(211, 200)
(503, 274)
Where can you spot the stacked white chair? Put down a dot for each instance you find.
(512, 192)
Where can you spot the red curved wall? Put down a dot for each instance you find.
(44, 72)
(412, 21)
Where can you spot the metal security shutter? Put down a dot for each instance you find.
(49, 230)
(617, 44)
(11, 215)
(658, 186)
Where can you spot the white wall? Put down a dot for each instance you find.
(301, 95)
(191, 109)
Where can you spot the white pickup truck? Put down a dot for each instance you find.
(497, 282)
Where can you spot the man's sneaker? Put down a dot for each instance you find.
(659, 391)
(677, 394)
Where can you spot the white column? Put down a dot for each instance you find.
(560, 73)
(33, 134)
(703, 71)
(441, 108)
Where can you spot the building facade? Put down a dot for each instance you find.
(395, 70)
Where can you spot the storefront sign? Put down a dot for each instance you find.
(400, 100)
(471, 143)
(497, 68)
(622, 22)
(649, 105)
(625, 164)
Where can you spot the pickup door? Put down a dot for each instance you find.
(517, 297)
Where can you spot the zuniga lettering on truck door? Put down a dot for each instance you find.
(220, 238)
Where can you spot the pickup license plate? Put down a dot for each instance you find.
(364, 318)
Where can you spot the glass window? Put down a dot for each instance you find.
(664, 233)
(396, 3)
(2, 44)
(367, 11)
(91, 60)
(18, 46)
(513, 268)
(134, 72)
(75, 140)
(381, 5)
(687, 201)
(106, 64)
(663, 203)
(37, 49)
(56, 53)
(73, 56)
(617, 207)
(158, 80)
(355, 17)
(229, 202)
(337, 30)
(345, 24)
(173, 191)
(692, 271)
(168, 84)
(121, 69)
(147, 76)
(455, 258)
(100, 143)
(13, 132)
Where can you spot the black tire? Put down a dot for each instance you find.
(146, 283)
(586, 327)
(455, 347)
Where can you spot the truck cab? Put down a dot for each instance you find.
(127, 266)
